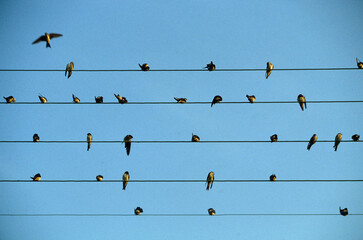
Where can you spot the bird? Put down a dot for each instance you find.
(46, 38)
(313, 140)
(35, 138)
(338, 139)
(180, 100)
(210, 66)
(36, 177)
(216, 99)
(211, 211)
(138, 211)
(89, 140)
(99, 178)
(355, 138)
(269, 68)
(301, 100)
(99, 99)
(42, 99)
(120, 99)
(343, 212)
(359, 63)
(9, 99)
(210, 180)
(127, 140)
(251, 98)
(274, 138)
(273, 178)
(125, 180)
(69, 69)
(144, 67)
(75, 99)
(195, 138)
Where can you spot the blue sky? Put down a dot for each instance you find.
(182, 35)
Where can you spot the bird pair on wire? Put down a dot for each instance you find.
(127, 141)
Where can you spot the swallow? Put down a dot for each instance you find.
(89, 140)
(251, 98)
(99, 99)
(210, 66)
(313, 140)
(210, 180)
(211, 211)
(99, 178)
(301, 100)
(9, 99)
(138, 211)
(46, 38)
(180, 100)
(195, 138)
(69, 69)
(338, 139)
(274, 138)
(216, 99)
(355, 137)
(75, 99)
(144, 67)
(343, 212)
(35, 138)
(269, 68)
(273, 178)
(42, 99)
(36, 177)
(125, 180)
(359, 63)
(127, 140)
(120, 99)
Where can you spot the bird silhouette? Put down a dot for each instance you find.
(75, 99)
(251, 98)
(99, 99)
(273, 178)
(195, 138)
(127, 140)
(99, 178)
(359, 63)
(36, 177)
(180, 100)
(89, 140)
(355, 137)
(46, 38)
(210, 66)
(9, 99)
(210, 179)
(42, 99)
(138, 211)
(269, 68)
(312, 141)
(120, 99)
(35, 138)
(211, 212)
(338, 139)
(216, 99)
(144, 67)
(343, 212)
(301, 100)
(125, 180)
(69, 69)
(274, 138)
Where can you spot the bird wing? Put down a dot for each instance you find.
(54, 35)
(41, 38)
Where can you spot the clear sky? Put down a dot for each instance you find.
(182, 35)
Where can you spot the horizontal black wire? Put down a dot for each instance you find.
(175, 141)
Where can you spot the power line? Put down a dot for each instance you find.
(175, 141)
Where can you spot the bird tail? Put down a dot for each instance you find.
(48, 45)
(73, 96)
(124, 185)
(88, 146)
(302, 106)
(268, 74)
(309, 146)
(208, 186)
(212, 104)
(128, 148)
(335, 147)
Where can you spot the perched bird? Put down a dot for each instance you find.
(355, 137)
(42, 99)
(273, 178)
(274, 138)
(125, 180)
(269, 68)
(120, 99)
(127, 140)
(359, 63)
(210, 180)
(35, 138)
(46, 38)
(338, 139)
(99, 178)
(211, 211)
(195, 138)
(216, 99)
(313, 140)
(138, 211)
(211, 66)
(301, 100)
(144, 67)
(9, 99)
(89, 140)
(180, 100)
(343, 212)
(69, 69)
(251, 98)
(99, 99)
(75, 99)
(36, 177)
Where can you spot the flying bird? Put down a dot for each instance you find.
(125, 180)
(144, 67)
(42, 99)
(99, 99)
(269, 68)
(211, 211)
(359, 63)
(36, 177)
(313, 140)
(195, 138)
(180, 100)
(138, 211)
(301, 100)
(343, 212)
(69, 69)
(127, 140)
(99, 178)
(9, 99)
(274, 138)
(35, 138)
(75, 99)
(251, 98)
(210, 180)
(89, 140)
(216, 99)
(210, 66)
(338, 139)
(120, 99)
(273, 178)
(46, 38)
(355, 137)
